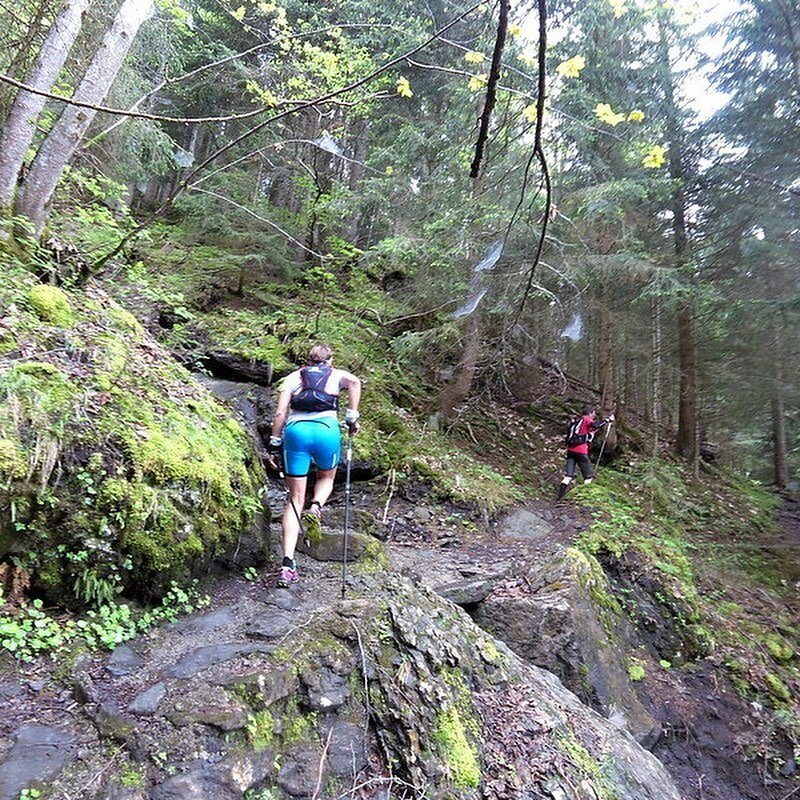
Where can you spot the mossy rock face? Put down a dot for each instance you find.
(120, 473)
(51, 304)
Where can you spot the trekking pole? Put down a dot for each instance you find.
(279, 465)
(349, 457)
(602, 447)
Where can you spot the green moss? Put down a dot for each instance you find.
(636, 670)
(297, 727)
(777, 688)
(260, 730)
(12, 460)
(779, 648)
(459, 756)
(374, 558)
(124, 320)
(51, 305)
(489, 652)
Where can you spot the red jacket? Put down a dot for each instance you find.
(588, 425)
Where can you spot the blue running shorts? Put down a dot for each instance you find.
(307, 440)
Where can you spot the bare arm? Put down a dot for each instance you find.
(353, 386)
(282, 411)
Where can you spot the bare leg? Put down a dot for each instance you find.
(290, 522)
(324, 485)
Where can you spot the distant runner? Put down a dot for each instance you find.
(306, 430)
(579, 437)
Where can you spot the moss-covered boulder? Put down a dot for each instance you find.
(118, 472)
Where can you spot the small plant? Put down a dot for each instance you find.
(30, 794)
(250, 574)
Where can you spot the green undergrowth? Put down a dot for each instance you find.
(672, 534)
(118, 473)
(29, 630)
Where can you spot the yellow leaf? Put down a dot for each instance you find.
(606, 114)
(571, 68)
(473, 58)
(529, 113)
(238, 15)
(636, 115)
(514, 30)
(619, 7)
(390, 170)
(403, 87)
(477, 82)
(655, 157)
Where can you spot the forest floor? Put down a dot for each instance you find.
(707, 728)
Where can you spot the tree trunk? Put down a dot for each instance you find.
(687, 358)
(779, 449)
(687, 439)
(20, 125)
(63, 140)
(606, 349)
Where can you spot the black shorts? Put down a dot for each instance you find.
(580, 460)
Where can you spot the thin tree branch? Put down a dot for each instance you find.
(761, 179)
(538, 152)
(258, 217)
(349, 88)
(491, 87)
(204, 67)
(120, 112)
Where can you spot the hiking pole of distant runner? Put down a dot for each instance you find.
(349, 457)
(602, 447)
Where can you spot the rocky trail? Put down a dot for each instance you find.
(263, 691)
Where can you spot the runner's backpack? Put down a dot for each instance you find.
(574, 437)
(312, 395)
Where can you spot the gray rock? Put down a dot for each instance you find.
(301, 771)
(124, 661)
(210, 705)
(196, 785)
(361, 527)
(271, 627)
(347, 754)
(522, 525)
(205, 623)
(327, 690)
(111, 723)
(561, 627)
(39, 753)
(147, 701)
(204, 657)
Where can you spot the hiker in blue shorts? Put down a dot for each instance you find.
(305, 430)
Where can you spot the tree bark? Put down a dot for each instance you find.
(686, 444)
(779, 449)
(61, 143)
(20, 125)
(606, 349)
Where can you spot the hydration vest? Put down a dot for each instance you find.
(312, 396)
(574, 437)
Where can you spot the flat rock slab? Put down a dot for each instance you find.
(147, 702)
(204, 657)
(38, 754)
(524, 526)
(124, 661)
(206, 623)
(272, 627)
